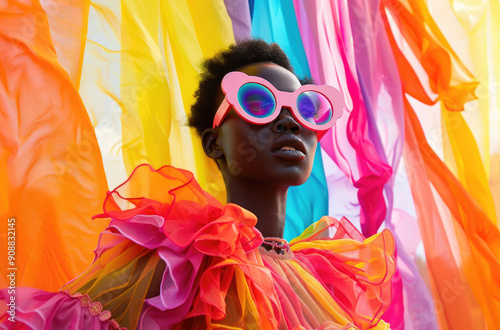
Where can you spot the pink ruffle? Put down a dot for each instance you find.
(38, 309)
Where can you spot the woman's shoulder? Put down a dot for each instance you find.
(167, 207)
(329, 229)
(339, 243)
(356, 271)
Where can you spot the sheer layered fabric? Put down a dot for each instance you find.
(176, 258)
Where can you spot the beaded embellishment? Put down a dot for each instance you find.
(95, 308)
(276, 247)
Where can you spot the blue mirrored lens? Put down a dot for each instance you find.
(256, 100)
(314, 107)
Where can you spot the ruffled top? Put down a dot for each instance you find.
(176, 258)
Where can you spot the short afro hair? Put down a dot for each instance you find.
(215, 68)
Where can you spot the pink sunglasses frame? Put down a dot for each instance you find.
(232, 82)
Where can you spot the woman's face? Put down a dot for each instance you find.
(281, 152)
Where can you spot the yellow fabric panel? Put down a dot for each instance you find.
(494, 90)
(163, 45)
(467, 160)
(466, 136)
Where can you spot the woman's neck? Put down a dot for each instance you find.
(266, 200)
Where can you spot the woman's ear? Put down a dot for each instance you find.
(210, 145)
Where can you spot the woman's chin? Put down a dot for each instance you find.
(293, 176)
(298, 182)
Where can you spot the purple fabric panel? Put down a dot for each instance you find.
(239, 12)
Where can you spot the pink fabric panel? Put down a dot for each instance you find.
(325, 31)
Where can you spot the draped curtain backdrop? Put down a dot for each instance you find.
(91, 89)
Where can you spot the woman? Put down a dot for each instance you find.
(174, 257)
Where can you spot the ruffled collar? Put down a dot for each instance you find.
(209, 247)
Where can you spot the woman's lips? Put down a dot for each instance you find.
(289, 154)
(289, 147)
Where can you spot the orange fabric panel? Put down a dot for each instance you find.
(53, 180)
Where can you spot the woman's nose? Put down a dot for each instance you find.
(285, 122)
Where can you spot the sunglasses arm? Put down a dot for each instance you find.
(321, 134)
(221, 112)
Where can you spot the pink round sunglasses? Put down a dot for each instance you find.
(257, 101)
